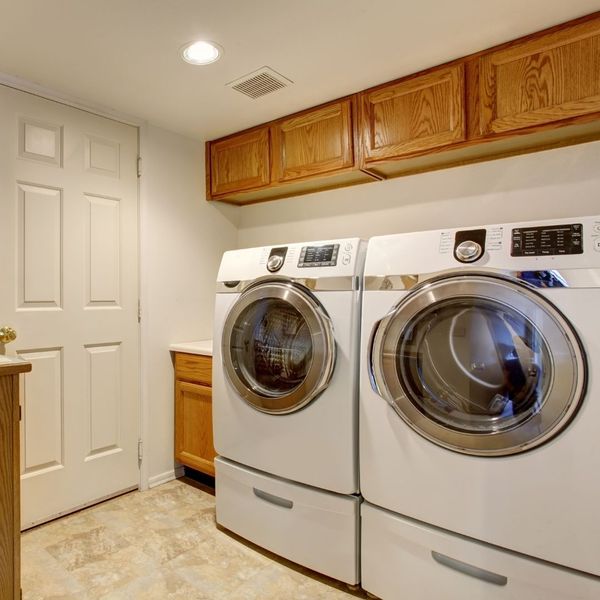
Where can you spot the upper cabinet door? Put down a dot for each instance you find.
(415, 115)
(240, 162)
(315, 142)
(543, 80)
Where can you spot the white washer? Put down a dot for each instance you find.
(480, 407)
(285, 397)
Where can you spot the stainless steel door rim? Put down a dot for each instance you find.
(561, 388)
(317, 326)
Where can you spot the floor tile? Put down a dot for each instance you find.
(159, 544)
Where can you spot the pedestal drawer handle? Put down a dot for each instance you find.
(278, 500)
(468, 569)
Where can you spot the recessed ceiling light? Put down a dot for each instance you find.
(201, 52)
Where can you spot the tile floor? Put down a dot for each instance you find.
(159, 544)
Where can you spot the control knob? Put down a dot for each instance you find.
(274, 263)
(468, 251)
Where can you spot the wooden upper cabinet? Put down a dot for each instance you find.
(539, 81)
(414, 115)
(315, 142)
(240, 162)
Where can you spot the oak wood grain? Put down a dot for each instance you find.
(10, 519)
(313, 142)
(193, 426)
(415, 115)
(193, 367)
(240, 162)
(7, 517)
(541, 80)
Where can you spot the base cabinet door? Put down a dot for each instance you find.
(544, 80)
(193, 426)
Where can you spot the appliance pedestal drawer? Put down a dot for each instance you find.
(402, 558)
(314, 528)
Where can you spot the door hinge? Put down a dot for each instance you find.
(139, 166)
(140, 450)
(139, 311)
(20, 413)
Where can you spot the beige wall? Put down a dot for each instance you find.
(182, 240)
(183, 237)
(543, 185)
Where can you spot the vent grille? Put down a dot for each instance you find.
(259, 83)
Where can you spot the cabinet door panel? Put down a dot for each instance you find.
(414, 116)
(240, 162)
(318, 141)
(540, 81)
(193, 426)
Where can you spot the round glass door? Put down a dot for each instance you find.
(278, 347)
(479, 364)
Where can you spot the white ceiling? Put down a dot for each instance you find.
(123, 54)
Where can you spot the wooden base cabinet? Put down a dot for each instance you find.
(193, 412)
(10, 519)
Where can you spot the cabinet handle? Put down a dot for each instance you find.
(271, 498)
(467, 569)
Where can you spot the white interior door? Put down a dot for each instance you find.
(69, 227)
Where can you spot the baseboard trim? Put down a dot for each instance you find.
(165, 477)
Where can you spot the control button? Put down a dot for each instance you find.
(597, 244)
(346, 258)
(468, 251)
(274, 263)
(348, 247)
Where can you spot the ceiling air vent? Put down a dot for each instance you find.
(261, 82)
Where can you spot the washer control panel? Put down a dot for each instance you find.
(550, 240)
(320, 256)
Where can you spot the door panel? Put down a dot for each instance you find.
(68, 193)
(412, 116)
(315, 142)
(240, 162)
(193, 423)
(540, 81)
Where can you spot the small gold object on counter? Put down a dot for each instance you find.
(7, 334)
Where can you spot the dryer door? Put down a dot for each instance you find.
(479, 364)
(278, 347)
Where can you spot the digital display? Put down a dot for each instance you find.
(319, 256)
(547, 241)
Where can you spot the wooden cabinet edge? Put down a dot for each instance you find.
(10, 565)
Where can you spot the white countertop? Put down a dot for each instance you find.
(203, 347)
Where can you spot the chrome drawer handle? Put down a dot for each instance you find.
(468, 569)
(277, 500)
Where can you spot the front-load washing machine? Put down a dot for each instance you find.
(285, 400)
(480, 412)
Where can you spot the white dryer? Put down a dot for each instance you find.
(480, 412)
(285, 399)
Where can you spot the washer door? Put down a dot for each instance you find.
(479, 364)
(278, 347)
